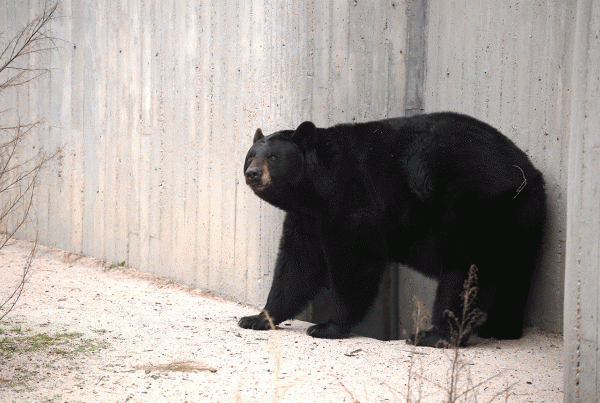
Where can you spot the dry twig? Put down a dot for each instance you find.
(19, 173)
(15, 68)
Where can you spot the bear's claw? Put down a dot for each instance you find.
(255, 322)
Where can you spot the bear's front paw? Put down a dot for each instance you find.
(328, 331)
(429, 338)
(256, 322)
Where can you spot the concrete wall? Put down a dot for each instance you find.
(509, 64)
(582, 277)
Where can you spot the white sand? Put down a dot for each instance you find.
(141, 322)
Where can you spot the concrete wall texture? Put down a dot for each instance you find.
(508, 63)
(582, 274)
(156, 104)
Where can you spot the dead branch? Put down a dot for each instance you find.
(18, 171)
(8, 303)
(33, 38)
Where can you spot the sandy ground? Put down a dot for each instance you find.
(85, 332)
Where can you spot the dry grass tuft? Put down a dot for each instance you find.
(177, 366)
(463, 328)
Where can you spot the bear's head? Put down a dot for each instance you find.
(275, 164)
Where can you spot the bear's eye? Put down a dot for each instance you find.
(272, 157)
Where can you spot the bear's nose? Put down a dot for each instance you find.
(252, 175)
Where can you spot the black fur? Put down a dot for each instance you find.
(437, 192)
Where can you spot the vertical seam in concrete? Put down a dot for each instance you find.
(416, 49)
(251, 56)
(330, 64)
(415, 61)
(572, 353)
(312, 32)
(235, 134)
(211, 15)
(578, 326)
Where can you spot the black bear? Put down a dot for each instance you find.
(437, 192)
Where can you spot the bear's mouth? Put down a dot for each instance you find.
(260, 183)
(258, 187)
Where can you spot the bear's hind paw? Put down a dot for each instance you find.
(328, 331)
(429, 338)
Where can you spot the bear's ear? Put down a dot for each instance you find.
(258, 135)
(304, 133)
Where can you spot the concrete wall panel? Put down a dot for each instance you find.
(507, 63)
(582, 273)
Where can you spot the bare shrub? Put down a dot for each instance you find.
(18, 174)
(460, 385)
(462, 328)
(414, 388)
(15, 69)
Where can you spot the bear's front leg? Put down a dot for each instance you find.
(300, 273)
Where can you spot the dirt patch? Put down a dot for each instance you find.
(84, 331)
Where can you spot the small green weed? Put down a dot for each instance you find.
(7, 345)
(114, 265)
(65, 344)
(45, 347)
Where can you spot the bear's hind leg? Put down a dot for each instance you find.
(354, 289)
(447, 298)
(506, 310)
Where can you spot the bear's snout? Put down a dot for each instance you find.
(257, 178)
(253, 174)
